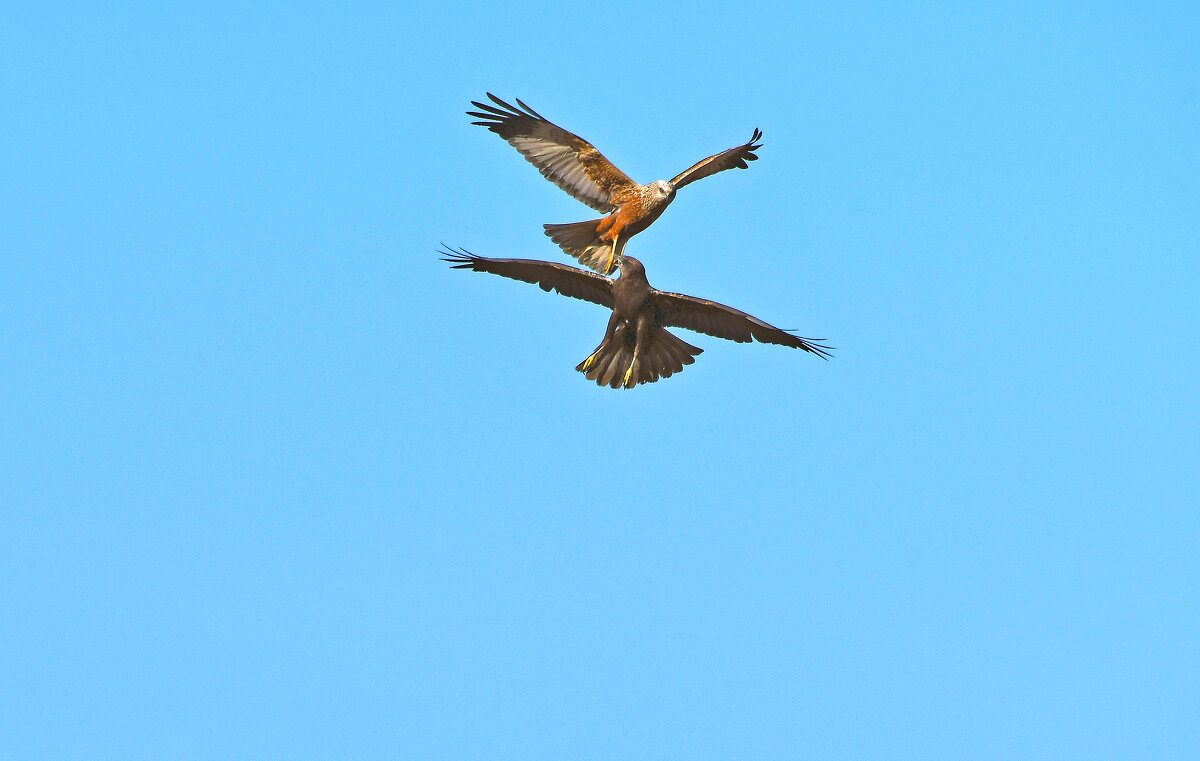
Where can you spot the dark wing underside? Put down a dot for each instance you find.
(569, 281)
(562, 157)
(734, 158)
(703, 316)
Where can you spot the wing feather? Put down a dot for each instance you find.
(734, 158)
(562, 157)
(704, 316)
(569, 281)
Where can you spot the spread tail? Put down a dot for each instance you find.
(582, 241)
(663, 356)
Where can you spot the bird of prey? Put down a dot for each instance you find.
(577, 167)
(637, 347)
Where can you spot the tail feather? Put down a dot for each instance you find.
(665, 355)
(670, 353)
(615, 369)
(617, 361)
(582, 241)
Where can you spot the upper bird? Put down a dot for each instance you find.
(577, 167)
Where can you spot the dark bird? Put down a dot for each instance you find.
(577, 167)
(637, 347)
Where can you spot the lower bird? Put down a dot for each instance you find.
(637, 347)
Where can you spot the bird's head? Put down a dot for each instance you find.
(630, 266)
(663, 189)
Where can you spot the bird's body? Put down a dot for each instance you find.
(635, 340)
(631, 291)
(577, 167)
(637, 347)
(636, 208)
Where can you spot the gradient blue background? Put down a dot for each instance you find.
(277, 483)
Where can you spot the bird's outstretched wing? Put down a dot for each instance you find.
(704, 316)
(569, 281)
(564, 158)
(734, 158)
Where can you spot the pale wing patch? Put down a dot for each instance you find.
(560, 164)
(562, 157)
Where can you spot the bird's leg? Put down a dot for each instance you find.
(609, 231)
(612, 253)
(630, 380)
(587, 363)
(611, 332)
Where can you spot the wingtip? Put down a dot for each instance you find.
(506, 106)
(811, 345)
(529, 110)
(459, 258)
(821, 350)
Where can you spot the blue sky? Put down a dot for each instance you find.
(277, 483)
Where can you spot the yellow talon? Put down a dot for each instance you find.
(628, 375)
(587, 363)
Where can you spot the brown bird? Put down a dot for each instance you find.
(637, 347)
(577, 167)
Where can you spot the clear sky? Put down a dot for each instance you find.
(276, 483)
